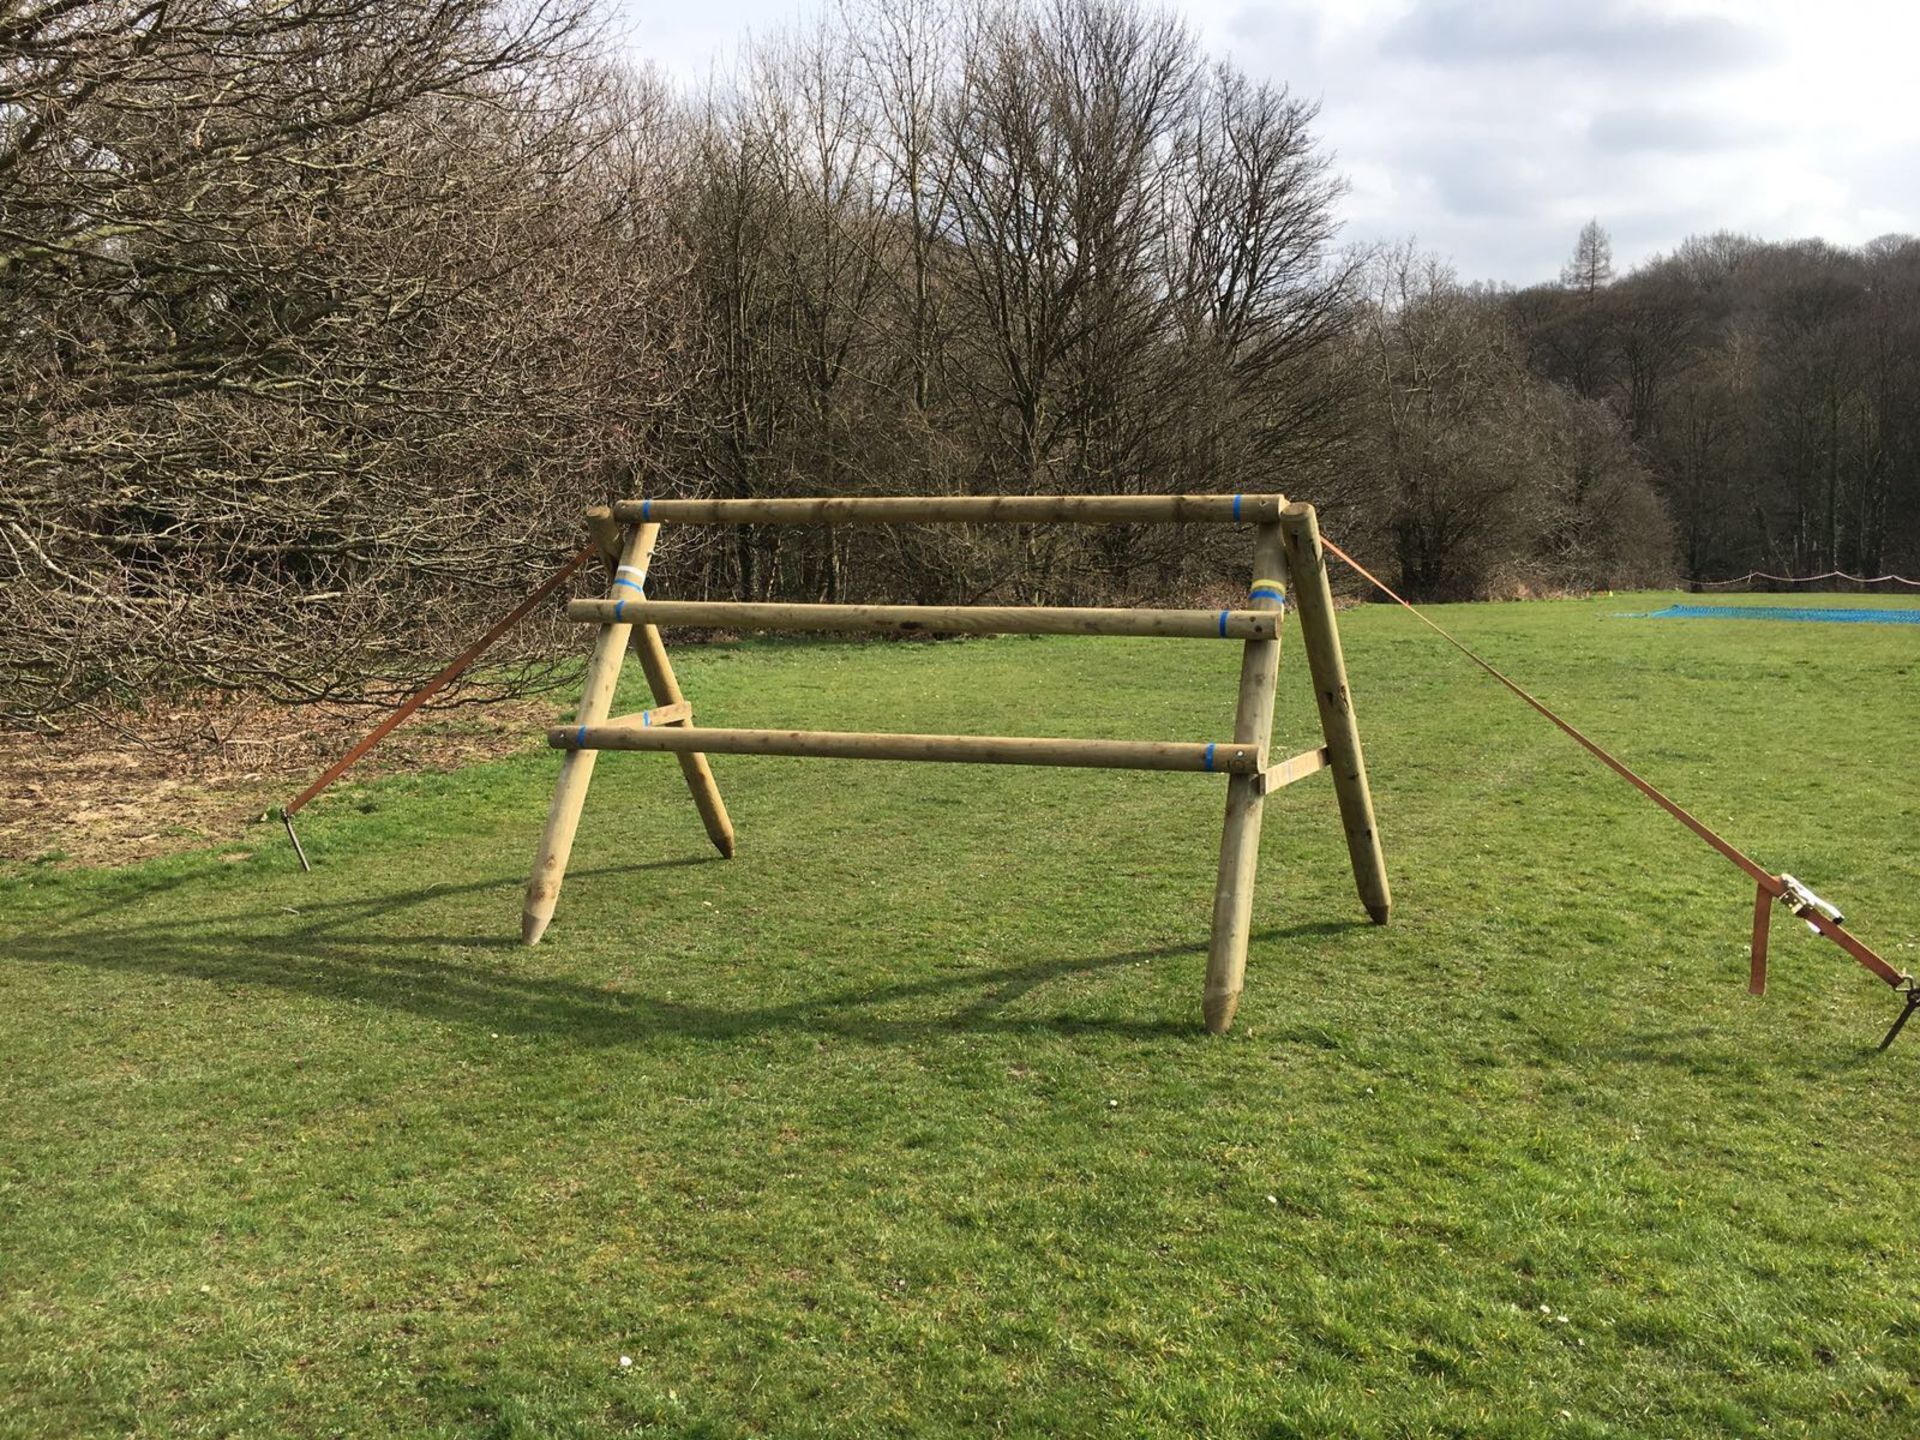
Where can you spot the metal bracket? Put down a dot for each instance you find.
(1799, 899)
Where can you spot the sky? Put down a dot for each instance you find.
(1489, 131)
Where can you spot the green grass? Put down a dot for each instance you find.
(903, 1123)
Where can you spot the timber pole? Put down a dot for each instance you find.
(963, 509)
(1246, 793)
(606, 533)
(1191, 757)
(576, 770)
(671, 706)
(652, 654)
(1313, 598)
(933, 619)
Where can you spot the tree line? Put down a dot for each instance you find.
(329, 318)
(321, 317)
(1772, 390)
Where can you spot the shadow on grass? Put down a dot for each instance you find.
(334, 950)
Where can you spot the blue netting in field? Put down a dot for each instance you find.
(1838, 614)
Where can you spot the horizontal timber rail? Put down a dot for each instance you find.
(935, 619)
(965, 509)
(1223, 758)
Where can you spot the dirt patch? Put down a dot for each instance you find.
(119, 788)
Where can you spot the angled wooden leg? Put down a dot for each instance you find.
(652, 655)
(1757, 962)
(1246, 794)
(576, 769)
(1313, 599)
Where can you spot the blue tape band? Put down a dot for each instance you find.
(1236, 507)
(1265, 594)
(1223, 623)
(1207, 762)
(630, 584)
(646, 717)
(580, 736)
(618, 607)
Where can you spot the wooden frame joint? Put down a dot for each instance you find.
(678, 713)
(1298, 767)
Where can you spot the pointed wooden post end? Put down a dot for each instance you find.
(1246, 794)
(706, 795)
(556, 844)
(1219, 1008)
(1233, 898)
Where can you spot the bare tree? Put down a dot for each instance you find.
(307, 302)
(1261, 303)
(904, 50)
(1482, 476)
(1591, 269)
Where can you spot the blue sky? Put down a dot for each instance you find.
(1491, 131)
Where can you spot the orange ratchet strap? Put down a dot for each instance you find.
(1820, 917)
(420, 697)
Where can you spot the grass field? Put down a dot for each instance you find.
(902, 1122)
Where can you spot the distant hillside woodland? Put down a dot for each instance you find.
(326, 319)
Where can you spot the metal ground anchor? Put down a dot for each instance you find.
(286, 819)
(1911, 992)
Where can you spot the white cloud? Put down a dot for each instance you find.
(1493, 130)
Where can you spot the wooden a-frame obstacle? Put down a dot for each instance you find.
(1286, 543)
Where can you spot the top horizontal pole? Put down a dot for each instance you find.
(963, 509)
(935, 619)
